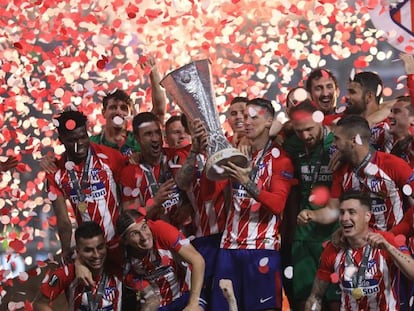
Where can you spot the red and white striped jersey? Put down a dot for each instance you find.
(254, 224)
(105, 167)
(210, 210)
(407, 154)
(383, 177)
(63, 279)
(378, 283)
(136, 184)
(161, 266)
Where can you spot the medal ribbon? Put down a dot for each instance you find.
(152, 182)
(94, 303)
(79, 187)
(255, 169)
(357, 280)
(366, 160)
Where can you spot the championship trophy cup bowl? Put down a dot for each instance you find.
(191, 88)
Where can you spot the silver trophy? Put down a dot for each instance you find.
(192, 89)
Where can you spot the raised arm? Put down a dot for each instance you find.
(326, 215)
(157, 93)
(185, 175)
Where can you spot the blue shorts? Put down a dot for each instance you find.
(256, 279)
(208, 247)
(180, 303)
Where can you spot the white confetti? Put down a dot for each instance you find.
(371, 169)
(379, 90)
(135, 192)
(275, 153)
(52, 196)
(252, 112)
(352, 74)
(69, 165)
(407, 190)
(264, 261)
(218, 169)
(23, 276)
(118, 120)
(358, 139)
(318, 116)
(102, 156)
(288, 272)
(300, 94)
(127, 191)
(340, 109)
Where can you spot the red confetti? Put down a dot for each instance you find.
(334, 278)
(264, 269)
(70, 125)
(28, 306)
(17, 245)
(101, 64)
(319, 195)
(18, 45)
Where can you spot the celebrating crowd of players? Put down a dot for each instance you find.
(321, 212)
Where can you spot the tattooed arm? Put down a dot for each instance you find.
(185, 175)
(402, 260)
(314, 302)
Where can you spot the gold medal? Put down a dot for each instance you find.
(357, 293)
(82, 206)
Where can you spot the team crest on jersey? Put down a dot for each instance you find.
(53, 280)
(110, 293)
(375, 185)
(371, 263)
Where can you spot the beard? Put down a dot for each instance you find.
(355, 109)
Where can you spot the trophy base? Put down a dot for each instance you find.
(222, 157)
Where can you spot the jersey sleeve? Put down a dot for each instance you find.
(397, 243)
(58, 281)
(326, 265)
(402, 172)
(405, 227)
(117, 161)
(167, 236)
(281, 181)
